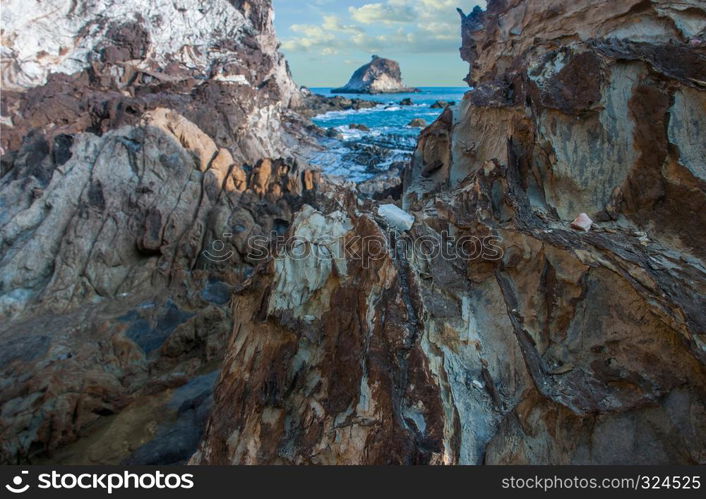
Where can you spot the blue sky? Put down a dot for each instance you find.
(326, 40)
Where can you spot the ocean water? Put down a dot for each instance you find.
(360, 155)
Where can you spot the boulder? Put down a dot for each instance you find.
(379, 76)
(315, 105)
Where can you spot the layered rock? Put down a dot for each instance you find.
(379, 76)
(95, 66)
(492, 332)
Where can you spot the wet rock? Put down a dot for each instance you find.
(406, 102)
(358, 126)
(583, 222)
(332, 133)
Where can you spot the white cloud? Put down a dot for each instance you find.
(415, 26)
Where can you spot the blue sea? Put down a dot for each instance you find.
(360, 155)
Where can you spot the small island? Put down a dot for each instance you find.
(379, 76)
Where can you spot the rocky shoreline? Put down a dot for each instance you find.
(153, 312)
(314, 104)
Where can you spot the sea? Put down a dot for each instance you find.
(361, 155)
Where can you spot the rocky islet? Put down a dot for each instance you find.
(141, 326)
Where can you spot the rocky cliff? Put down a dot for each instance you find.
(137, 137)
(71, 67)
(379, 76)
(160, 271)
(491, 331)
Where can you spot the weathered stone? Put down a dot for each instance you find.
(379, 76)
(486, 331)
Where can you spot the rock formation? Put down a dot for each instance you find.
(94, 66)
(417, 123)
(492, 332)
(314, 104)
(137, 139)
(150, 250)
(379, 76)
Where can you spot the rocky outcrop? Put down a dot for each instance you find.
(80, 66)
(492, 331)
(136, 169)
(379, 76)
(314, 104)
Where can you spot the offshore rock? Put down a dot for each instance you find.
(583, 222)
(417, 123)
(146, 289)
(136, 140)
(379, 76)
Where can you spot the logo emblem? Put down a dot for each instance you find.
(16, 486)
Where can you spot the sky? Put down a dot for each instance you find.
(325, 41)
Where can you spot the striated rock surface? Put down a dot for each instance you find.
(379, 76)
(492, 332)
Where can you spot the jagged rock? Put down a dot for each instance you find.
(127, 207)
(383, 186)
(417, 123)
(379, 76)
(531, 344)
(489, 332)
(358, 126)
(332, 133)
(72, 67)
(395, 217)
(442, 104)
